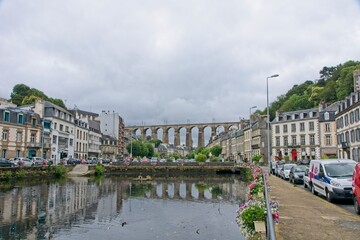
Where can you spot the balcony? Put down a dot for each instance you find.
(32, 144)
(255, 146)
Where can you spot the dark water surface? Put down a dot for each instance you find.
(123, 208)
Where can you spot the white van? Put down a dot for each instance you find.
(331, 178)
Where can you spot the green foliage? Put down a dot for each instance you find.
(99, 170)
(256, 157)
(251, 214)
(7, 175)
(200, 157)
(216, 150)
(60, 171)
(335, 84)
(23, 94)
(20, 174)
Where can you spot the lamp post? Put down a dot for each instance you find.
(268, 118)
(250, 154)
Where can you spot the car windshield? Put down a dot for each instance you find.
(299, 169)
(340, 169)
(288, 167)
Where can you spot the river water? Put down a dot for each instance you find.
(122, 208)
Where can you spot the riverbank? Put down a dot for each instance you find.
(166, 170)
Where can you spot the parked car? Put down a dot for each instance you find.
(296, 174)
(24, 162)
(144, 160)
(37, 161)
(278, 167)
(6, 163)
(303, 162)
(332, 178)
(306, 179)
(106, 161)
(356, 188)
(154, 160)
(285, 170)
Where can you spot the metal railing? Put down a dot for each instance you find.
(270, 230)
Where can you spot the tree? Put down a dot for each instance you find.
(200, 157)
(216, 150)
(19, 92)
(296, 102)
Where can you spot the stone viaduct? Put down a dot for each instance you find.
(177, 127)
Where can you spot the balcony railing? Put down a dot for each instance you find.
(32, 144)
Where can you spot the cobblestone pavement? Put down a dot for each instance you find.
(305, 216)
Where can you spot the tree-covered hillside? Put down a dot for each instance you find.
(334, 84)
(22, 95)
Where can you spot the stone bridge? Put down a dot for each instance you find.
(133, 130)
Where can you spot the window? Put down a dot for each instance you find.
(293, 127)
(286, 142)
(66, 128)
(6, 116)
(19, 136)
(312, 139)
(33, 122)
(32, 138)
(352, 136)
(277, 141)
(55, 126)
(61, 127)
(285, 128)
(294, 140)
(356, 115)
(302, 127)
(346, 120)
(327, 127)
(20, 118)
(352, 117)
(311, 126)
(71, 141)
(54, 139)
(328, 140)
(5, 135)
(18, 153)
(302, 139)
(277, 129)
(3, 153)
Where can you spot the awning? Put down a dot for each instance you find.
(329, 151)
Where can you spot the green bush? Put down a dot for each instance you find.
(60, 171)
(251, 214)
(99, 170)
(20, 173)
(7, 175)
(200, 157)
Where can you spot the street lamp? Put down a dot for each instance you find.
(268, 118)
(250, 154)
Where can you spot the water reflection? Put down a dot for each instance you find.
(83, 208)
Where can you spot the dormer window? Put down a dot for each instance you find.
(20, 119)
(6, 116)
(326, 116)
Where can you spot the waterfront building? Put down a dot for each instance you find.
(62, 128)
(111, 124)
(81, 139)
(21, 132)
(109, 147)
(304, 134)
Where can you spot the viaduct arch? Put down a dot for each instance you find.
(131, 130)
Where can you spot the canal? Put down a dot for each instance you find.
(122, 208)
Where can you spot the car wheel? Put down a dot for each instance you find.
(356, 205)
(329, 198)
(313, 190)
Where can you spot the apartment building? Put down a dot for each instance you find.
(81, 139)
(304, 134)
(21, 132)
(111, 124)
(109, 147)
(62, 128)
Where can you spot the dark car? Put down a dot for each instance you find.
(296, 174)
(6, 163)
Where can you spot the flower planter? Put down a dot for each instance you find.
(259, 226)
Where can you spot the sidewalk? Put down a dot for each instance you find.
(306, 216)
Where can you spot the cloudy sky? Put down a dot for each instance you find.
(176, 61)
